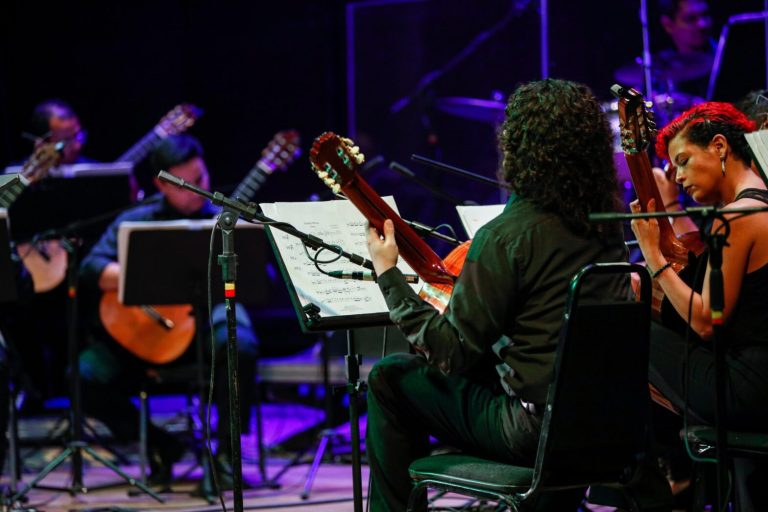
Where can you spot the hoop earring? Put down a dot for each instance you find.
(722, 165)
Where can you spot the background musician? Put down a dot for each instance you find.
(110, 373)
(707, 147)
(508, 300)
(54, 120)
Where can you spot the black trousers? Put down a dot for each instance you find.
(673, 369)
(409, 400)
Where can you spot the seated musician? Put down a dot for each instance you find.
(507, 305)
(111, 374)
(707, 147)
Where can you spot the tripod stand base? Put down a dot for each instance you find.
(74, 449)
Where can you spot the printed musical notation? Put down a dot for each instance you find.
(335, 222)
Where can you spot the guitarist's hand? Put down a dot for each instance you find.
(110, 277)
(647, 235)
(383, 249)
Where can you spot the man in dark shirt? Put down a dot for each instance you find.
(508, 300)
(111, 373)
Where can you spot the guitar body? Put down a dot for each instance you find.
(46, 262)
(142, 335)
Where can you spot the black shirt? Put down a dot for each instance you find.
(509, 298)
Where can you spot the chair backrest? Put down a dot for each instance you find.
(596, 423)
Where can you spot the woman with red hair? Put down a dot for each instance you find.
(707, 147)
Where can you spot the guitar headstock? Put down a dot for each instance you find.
(282, 151)
(635, 120)
(45, 156)
(178, 120)
(336, 160)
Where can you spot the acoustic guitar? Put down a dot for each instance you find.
(160, 334)
(336, 161)
(46, 260)
(637, 130)
(178, 120)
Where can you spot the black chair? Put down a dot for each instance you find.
(595, 427)
(748, 455)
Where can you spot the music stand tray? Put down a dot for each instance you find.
(166, 262)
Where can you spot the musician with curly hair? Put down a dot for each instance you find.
(508, 301)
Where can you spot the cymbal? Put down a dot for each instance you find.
(486, 111)
(668, 66)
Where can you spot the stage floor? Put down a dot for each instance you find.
(331, 490)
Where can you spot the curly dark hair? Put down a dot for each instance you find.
(702, 122)
(558, 153)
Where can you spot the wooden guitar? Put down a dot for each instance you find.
(336, 161)
(160, 334)
(45, 260)
(637, 130)
(179, 119)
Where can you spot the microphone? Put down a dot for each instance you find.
(359, 275)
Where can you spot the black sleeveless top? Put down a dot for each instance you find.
(748, 323)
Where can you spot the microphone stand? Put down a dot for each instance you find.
(715, 242)
(460, 172)
(234, 208)
(409, 174)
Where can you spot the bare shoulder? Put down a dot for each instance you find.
(748, 232)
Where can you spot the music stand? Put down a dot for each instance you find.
(76, 446)
(167, 263)
(323, 303)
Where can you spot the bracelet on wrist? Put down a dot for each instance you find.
(656, 274)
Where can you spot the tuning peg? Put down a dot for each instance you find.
(359, 158)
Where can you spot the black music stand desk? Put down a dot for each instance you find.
(166, 262)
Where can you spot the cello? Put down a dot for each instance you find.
(337, 161)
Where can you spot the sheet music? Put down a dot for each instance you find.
(758, 143)
(335, 222)
(474, 217)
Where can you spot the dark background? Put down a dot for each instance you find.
(260, 67)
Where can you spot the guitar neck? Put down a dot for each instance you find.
(413, 249)
(142, 148)
(252, 182)
(645, 186)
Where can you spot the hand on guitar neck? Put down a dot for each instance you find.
(670, 194)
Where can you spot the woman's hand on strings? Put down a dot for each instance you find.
(382, 247)
(647, 235)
